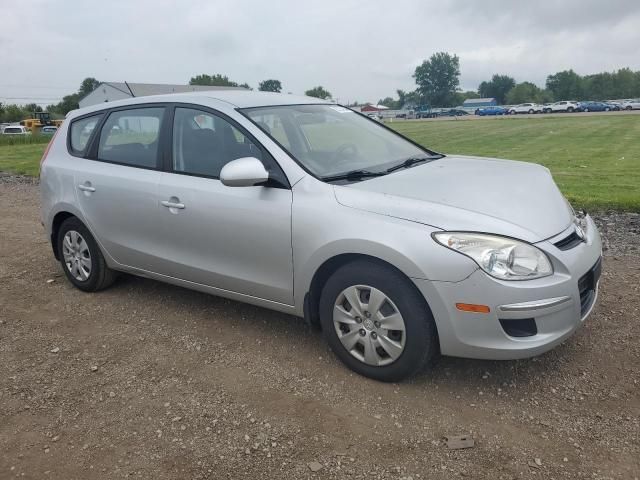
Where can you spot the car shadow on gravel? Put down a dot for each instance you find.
(210, 315)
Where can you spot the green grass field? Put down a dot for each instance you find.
(594, 159)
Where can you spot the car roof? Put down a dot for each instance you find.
(233, 98)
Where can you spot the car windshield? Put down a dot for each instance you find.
(330, 140)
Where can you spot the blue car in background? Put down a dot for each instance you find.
(594, 107)
(491, 111)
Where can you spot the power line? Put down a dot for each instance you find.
(30, 98)
(4, 85)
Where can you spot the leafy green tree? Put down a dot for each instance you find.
(438, 79)
(318, 92)
(32, 107)
(566, 85)
(626, 83)
(388, 102)
(462, 96)
(87, 86)
(497, 88)
(13, 113)
(270, 85)
(524, 92)
(216, 80)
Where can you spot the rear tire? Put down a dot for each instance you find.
(531, 111)
(358, 336)
(81, 259)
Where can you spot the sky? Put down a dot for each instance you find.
(360, 50)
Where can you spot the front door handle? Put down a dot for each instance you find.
(86, 187)
(168, 204)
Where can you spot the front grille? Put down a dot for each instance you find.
(587, 287)
(570, 241)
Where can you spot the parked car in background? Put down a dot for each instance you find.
(563, 106)
(303, 206)
(15, 130)
(615, 106)
(491, 111)
(375, 116)
(3, 125)
(48, 130)
(632, 104)
(525, 108)
(594, 107)
(453, 112)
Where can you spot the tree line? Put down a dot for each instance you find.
(13, 113)
(438, 85)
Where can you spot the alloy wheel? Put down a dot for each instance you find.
(77, 256)
(369, 325)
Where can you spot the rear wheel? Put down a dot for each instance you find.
(628, 108)
(377, 322)
(81, 259)
(531, 111)
(570, 109)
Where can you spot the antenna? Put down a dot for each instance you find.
(130, 91)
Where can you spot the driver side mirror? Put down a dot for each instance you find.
(243, 172)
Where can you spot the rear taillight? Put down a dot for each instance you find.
(46, 150)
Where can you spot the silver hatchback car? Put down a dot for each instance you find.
(291, 203)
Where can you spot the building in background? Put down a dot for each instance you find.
(373, 108)
(473, 103)
(111, 91)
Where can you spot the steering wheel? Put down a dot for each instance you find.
(346, 151)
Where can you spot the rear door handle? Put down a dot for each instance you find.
(168, 204)
(86, 188)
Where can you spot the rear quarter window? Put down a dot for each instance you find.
(81, 131)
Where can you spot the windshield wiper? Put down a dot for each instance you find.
(410, 162)
(353, 175)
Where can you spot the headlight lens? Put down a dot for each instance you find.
(501, 257)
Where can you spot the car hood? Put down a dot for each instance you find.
(504, 197)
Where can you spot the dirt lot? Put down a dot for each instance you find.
(147, 380)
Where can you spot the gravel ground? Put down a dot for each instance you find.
(147, 380)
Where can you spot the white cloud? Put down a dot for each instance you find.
(357, 49)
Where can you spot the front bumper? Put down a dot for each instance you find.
(556, 306)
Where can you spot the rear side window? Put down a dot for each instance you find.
(81, 131)
(131, 137)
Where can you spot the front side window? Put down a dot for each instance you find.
(331, 140)
(131, 137)
(80, 132)
(203, 143)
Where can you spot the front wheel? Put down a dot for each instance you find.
(570, 109)
(81, 259)
(531, 111)
(377, 322)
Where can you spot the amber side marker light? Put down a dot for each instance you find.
(472, 307)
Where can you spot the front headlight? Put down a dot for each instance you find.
(500, 257)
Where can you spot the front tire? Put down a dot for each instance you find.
(377, 322)
(81, 259)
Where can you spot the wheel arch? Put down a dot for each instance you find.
(311, 302)
(56, 222)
